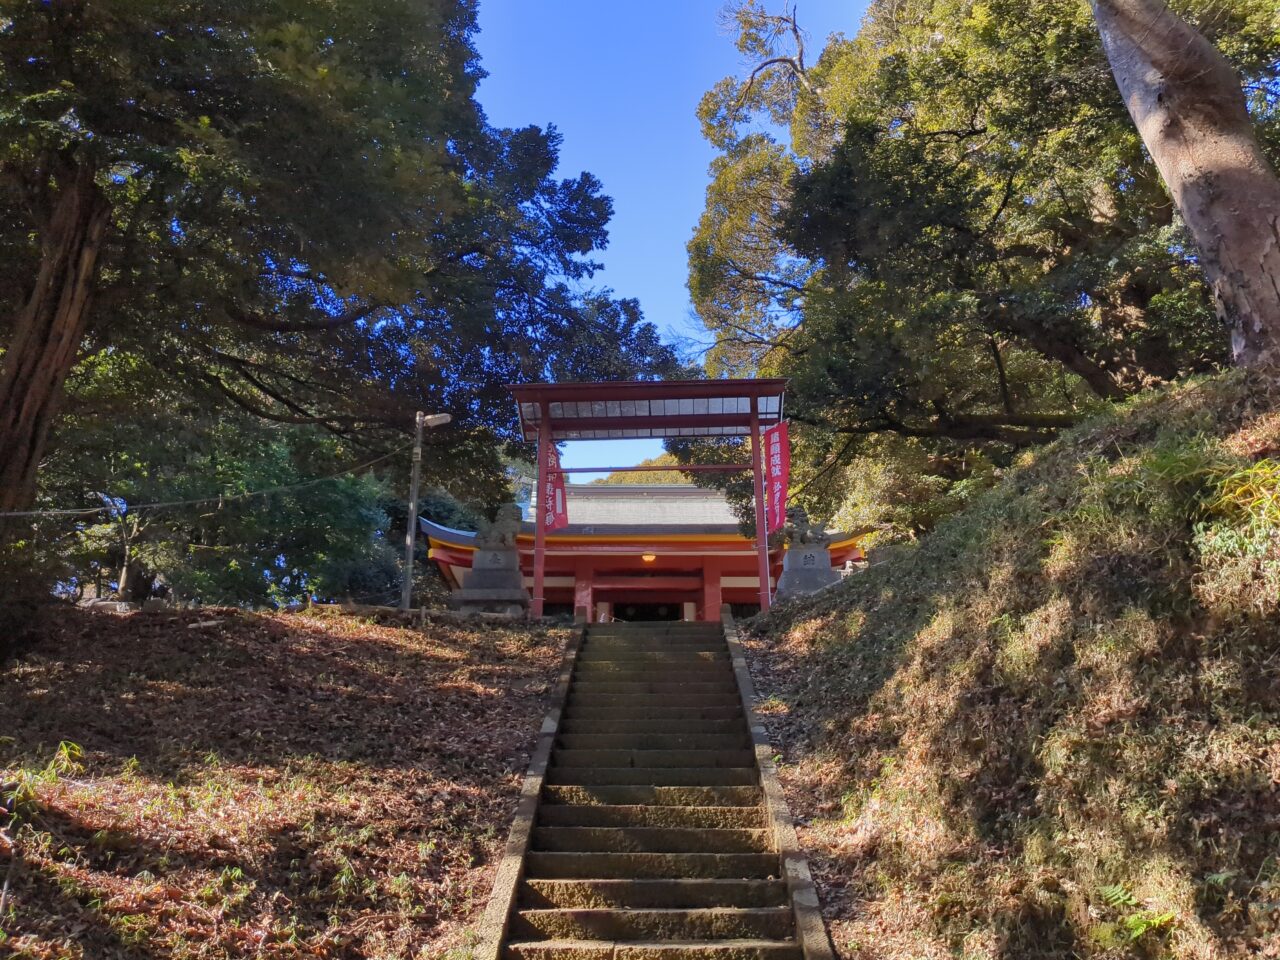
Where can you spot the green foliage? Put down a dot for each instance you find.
(1116, 896)
(311, 220)
(326, 538)
(22, 796)
(1250, 495)
(960, 240)
(314, 226)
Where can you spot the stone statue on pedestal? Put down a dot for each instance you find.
(495, 584)
(806, 566)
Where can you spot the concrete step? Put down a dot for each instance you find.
(655, 643)
(677, 725)
(642, 740)
(704, 923)
(657, 776)
(587, 697)
(723, 686)
(648, 630)
(650, 866)
(650, 840)
(638, 636)
(653, 710)
(664, 796)
(652, 758)
(653, 950)
(547, 894)
(656, 658)
(649, 815)
(643, 670)
(657, 646)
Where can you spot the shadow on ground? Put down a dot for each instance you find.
(268, 785)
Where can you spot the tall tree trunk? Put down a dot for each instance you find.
(48, 331)
(1186, 100)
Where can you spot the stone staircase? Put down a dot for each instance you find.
(651, 838)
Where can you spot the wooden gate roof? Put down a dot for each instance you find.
(648, 408)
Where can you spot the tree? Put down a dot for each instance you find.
(650, 476)
(945, 230)
(1186, 99)
(323, 532)
(293, 208)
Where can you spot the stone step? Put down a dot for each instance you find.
(546, 894)
(724, 686)
(652, 758)
(587, 698)
(653, 950)
(704, 923)
(694, 631)
(652, 711)
(663, 796)
(659, 645)
(654, 659)
(677, 725)
(641, 740)
(650, 840)
(649, 629)
(643, 670)
(650, 866)
(657, 776)
(649, 815)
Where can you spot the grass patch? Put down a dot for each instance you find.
(1050, 729)
(267, 786)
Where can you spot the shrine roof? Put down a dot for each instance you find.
(627, 409)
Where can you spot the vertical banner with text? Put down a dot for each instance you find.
(777, 475)
(551, 498)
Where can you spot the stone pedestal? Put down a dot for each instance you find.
(806, 568)
(494, 585)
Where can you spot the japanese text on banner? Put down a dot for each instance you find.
(777, 472)
(552, 508)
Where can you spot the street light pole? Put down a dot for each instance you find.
(411, 527)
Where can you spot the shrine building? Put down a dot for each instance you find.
(640, 551)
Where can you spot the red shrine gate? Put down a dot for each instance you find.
(551, 412)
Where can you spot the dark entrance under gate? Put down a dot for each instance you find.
(647, 612)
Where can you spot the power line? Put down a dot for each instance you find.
(225, 498)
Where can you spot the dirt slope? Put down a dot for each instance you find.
(266, 786)
(1050, 729)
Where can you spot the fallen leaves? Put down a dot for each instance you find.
(266, 785)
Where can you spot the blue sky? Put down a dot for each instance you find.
(621, 80)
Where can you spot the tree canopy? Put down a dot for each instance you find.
(649, 476)
(945, 228)
(290, 213)
(308, 216)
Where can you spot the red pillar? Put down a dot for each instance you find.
(762, 536)
(540, 518)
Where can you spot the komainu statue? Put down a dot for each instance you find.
(799, 530)
(806, 567)
(495, 584)
(500, 533)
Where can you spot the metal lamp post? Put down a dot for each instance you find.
(411, 528)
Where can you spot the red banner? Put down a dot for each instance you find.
(551, 498)
(777, 475)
